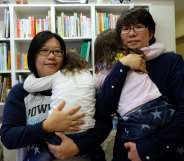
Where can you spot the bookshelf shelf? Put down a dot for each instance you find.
(69, 39)
(4, 5)
(4, 39)
(22, 71)
(73, 6)
(1, 104)
(5, 72)
(23, 39)
(114, 7)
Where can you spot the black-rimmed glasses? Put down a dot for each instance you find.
(55, 52)
(135, 28)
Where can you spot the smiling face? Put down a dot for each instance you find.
(49, 64)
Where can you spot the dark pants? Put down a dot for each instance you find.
(141, 122)
(41, 153)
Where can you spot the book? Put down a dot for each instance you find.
(87, 58)
(4, 56)
(85, 50)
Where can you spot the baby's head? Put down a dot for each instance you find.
(107, 45)
(73, 62)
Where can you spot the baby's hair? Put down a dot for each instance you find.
(106, 44)
(73, 62)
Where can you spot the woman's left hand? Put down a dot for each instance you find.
(66, 149)
(132, 151)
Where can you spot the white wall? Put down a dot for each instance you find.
(164, 15)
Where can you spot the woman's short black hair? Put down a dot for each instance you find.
(135, 16)
(37, 43)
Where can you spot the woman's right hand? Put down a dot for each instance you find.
(59, 120)
(134, 62)
(66, 149)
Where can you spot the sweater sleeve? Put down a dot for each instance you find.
(33, 84)
(14, 131)
(169, 139)
(106, 102)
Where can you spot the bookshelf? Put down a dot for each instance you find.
(76, 23)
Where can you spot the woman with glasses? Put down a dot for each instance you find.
(147, 111)
(136, 29)
(27, 123)
(73, 84)
(141, 141)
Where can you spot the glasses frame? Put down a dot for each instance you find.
(136, 28)
(56, 52)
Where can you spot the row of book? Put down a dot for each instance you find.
(76, 25)
(5, 86)
(105, 21)
(4, 23)
(28, 27)
(5, 57)
(22, 61)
